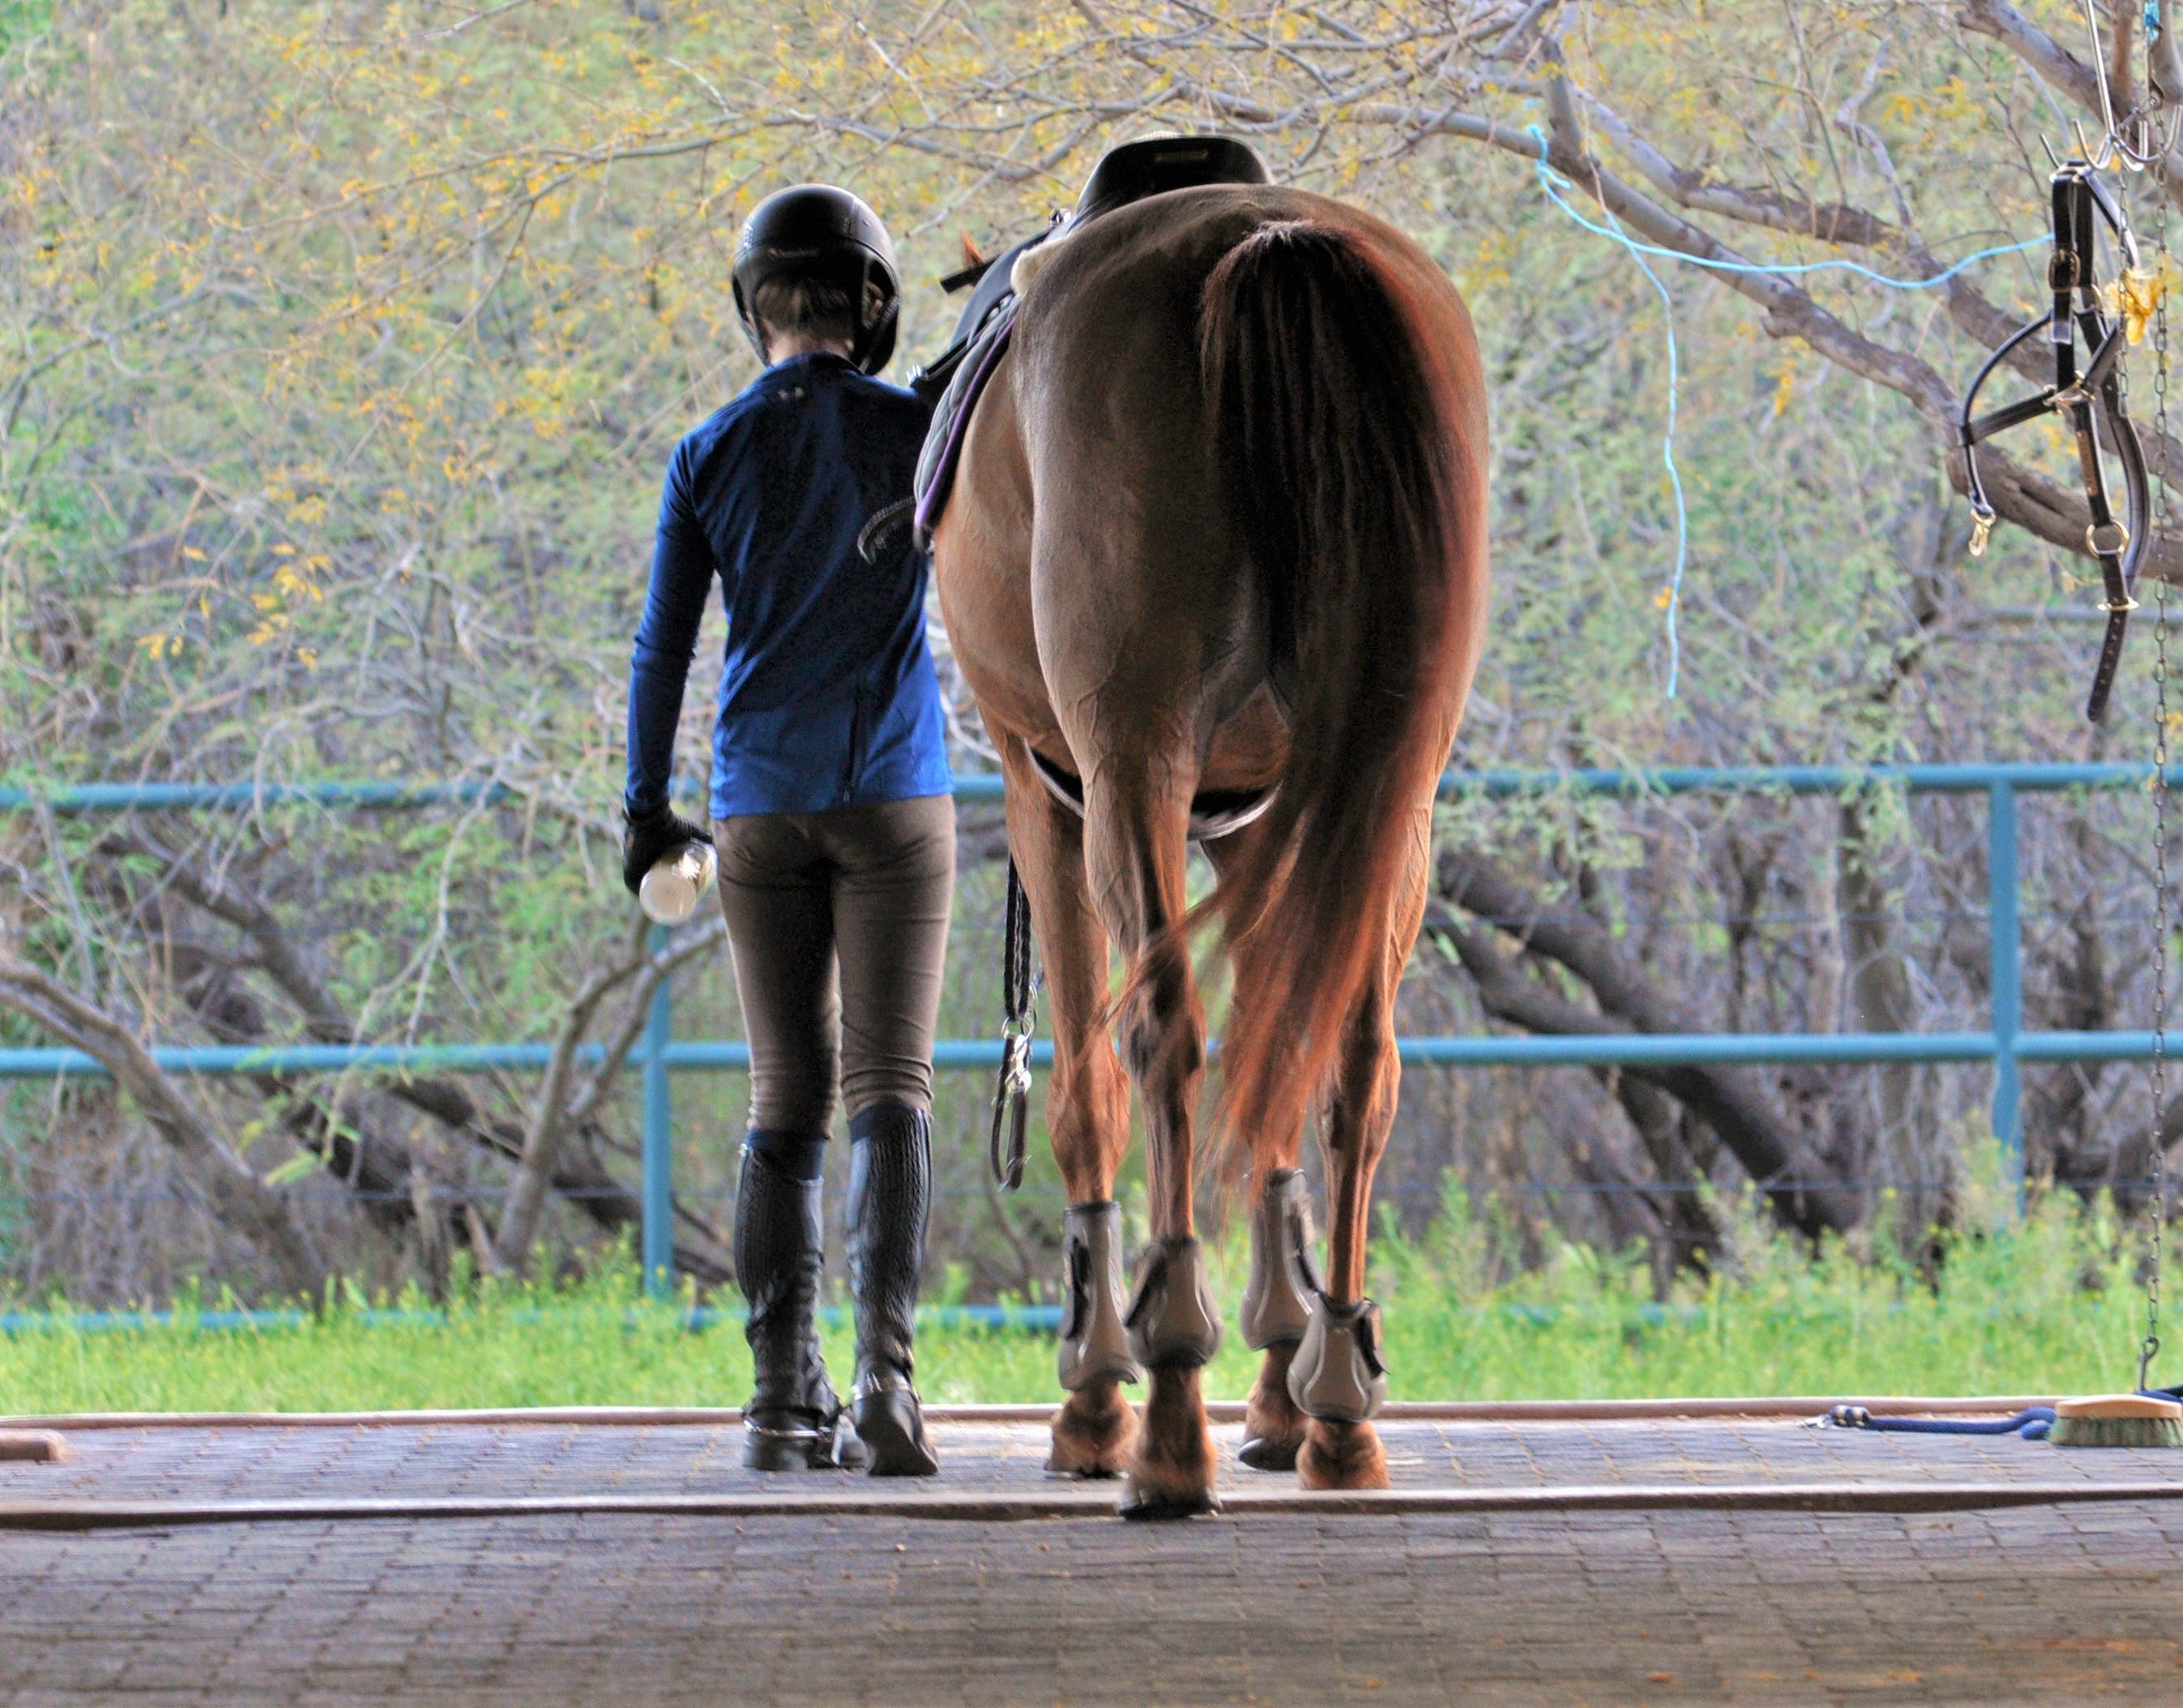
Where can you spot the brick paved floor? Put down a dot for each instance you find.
(2041, 1604)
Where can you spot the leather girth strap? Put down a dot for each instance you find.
(1214, 812)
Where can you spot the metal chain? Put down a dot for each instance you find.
(2135, 137)
(2156, 1217)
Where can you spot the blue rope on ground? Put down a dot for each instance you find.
(2031, 1423)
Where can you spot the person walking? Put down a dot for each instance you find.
(833, 813)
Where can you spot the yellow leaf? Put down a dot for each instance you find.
(2138, 294)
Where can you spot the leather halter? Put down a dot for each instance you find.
(2092, 400)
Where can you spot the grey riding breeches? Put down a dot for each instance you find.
(838, 923)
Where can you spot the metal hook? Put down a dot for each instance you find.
(2097, 159)
(2100, 74)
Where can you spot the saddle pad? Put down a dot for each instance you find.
(951, 420)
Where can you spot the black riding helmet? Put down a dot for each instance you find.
(815, 229)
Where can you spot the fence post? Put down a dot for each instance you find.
(659, 1191)
(2005, 963)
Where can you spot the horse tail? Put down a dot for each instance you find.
(1351, 483)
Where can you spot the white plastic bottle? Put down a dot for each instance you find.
(677, 882)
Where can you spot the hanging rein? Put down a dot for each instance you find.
(1019, 991)
(2090, 399)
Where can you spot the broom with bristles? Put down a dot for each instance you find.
(2117, 1420)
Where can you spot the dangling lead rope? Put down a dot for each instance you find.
(1012, 1092)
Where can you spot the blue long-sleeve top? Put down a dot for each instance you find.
(827, 693)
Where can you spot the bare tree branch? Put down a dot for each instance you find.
(241, 1199)
(1810, 1197)
(371, 1165)
(2040, 505)
(541, 1139)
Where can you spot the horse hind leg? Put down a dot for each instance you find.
(1136, 832)
(1087, 1117)
(1337, 1377)
(1284, 1275)
(1175, 1330)
(1277, 1304)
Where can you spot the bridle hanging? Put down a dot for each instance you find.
(2090, 399)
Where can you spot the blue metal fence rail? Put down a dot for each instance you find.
(2005, 1044)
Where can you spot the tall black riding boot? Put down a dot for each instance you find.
(890, 1189)
(793, 1421)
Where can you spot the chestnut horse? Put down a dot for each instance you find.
(1219, 527)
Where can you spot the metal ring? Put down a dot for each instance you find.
(2092, 540)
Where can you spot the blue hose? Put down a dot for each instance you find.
(2031, 1423)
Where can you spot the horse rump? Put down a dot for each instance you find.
(1347, 471)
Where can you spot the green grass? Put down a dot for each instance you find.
(2044, 1304)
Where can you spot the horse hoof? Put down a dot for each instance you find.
(1174, 1464)
(1093, 1434)
(1339, 1454)
(1143, 1504)
(1267, 1453)
(1057, 1467)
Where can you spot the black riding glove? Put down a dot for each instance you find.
(646, 839)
